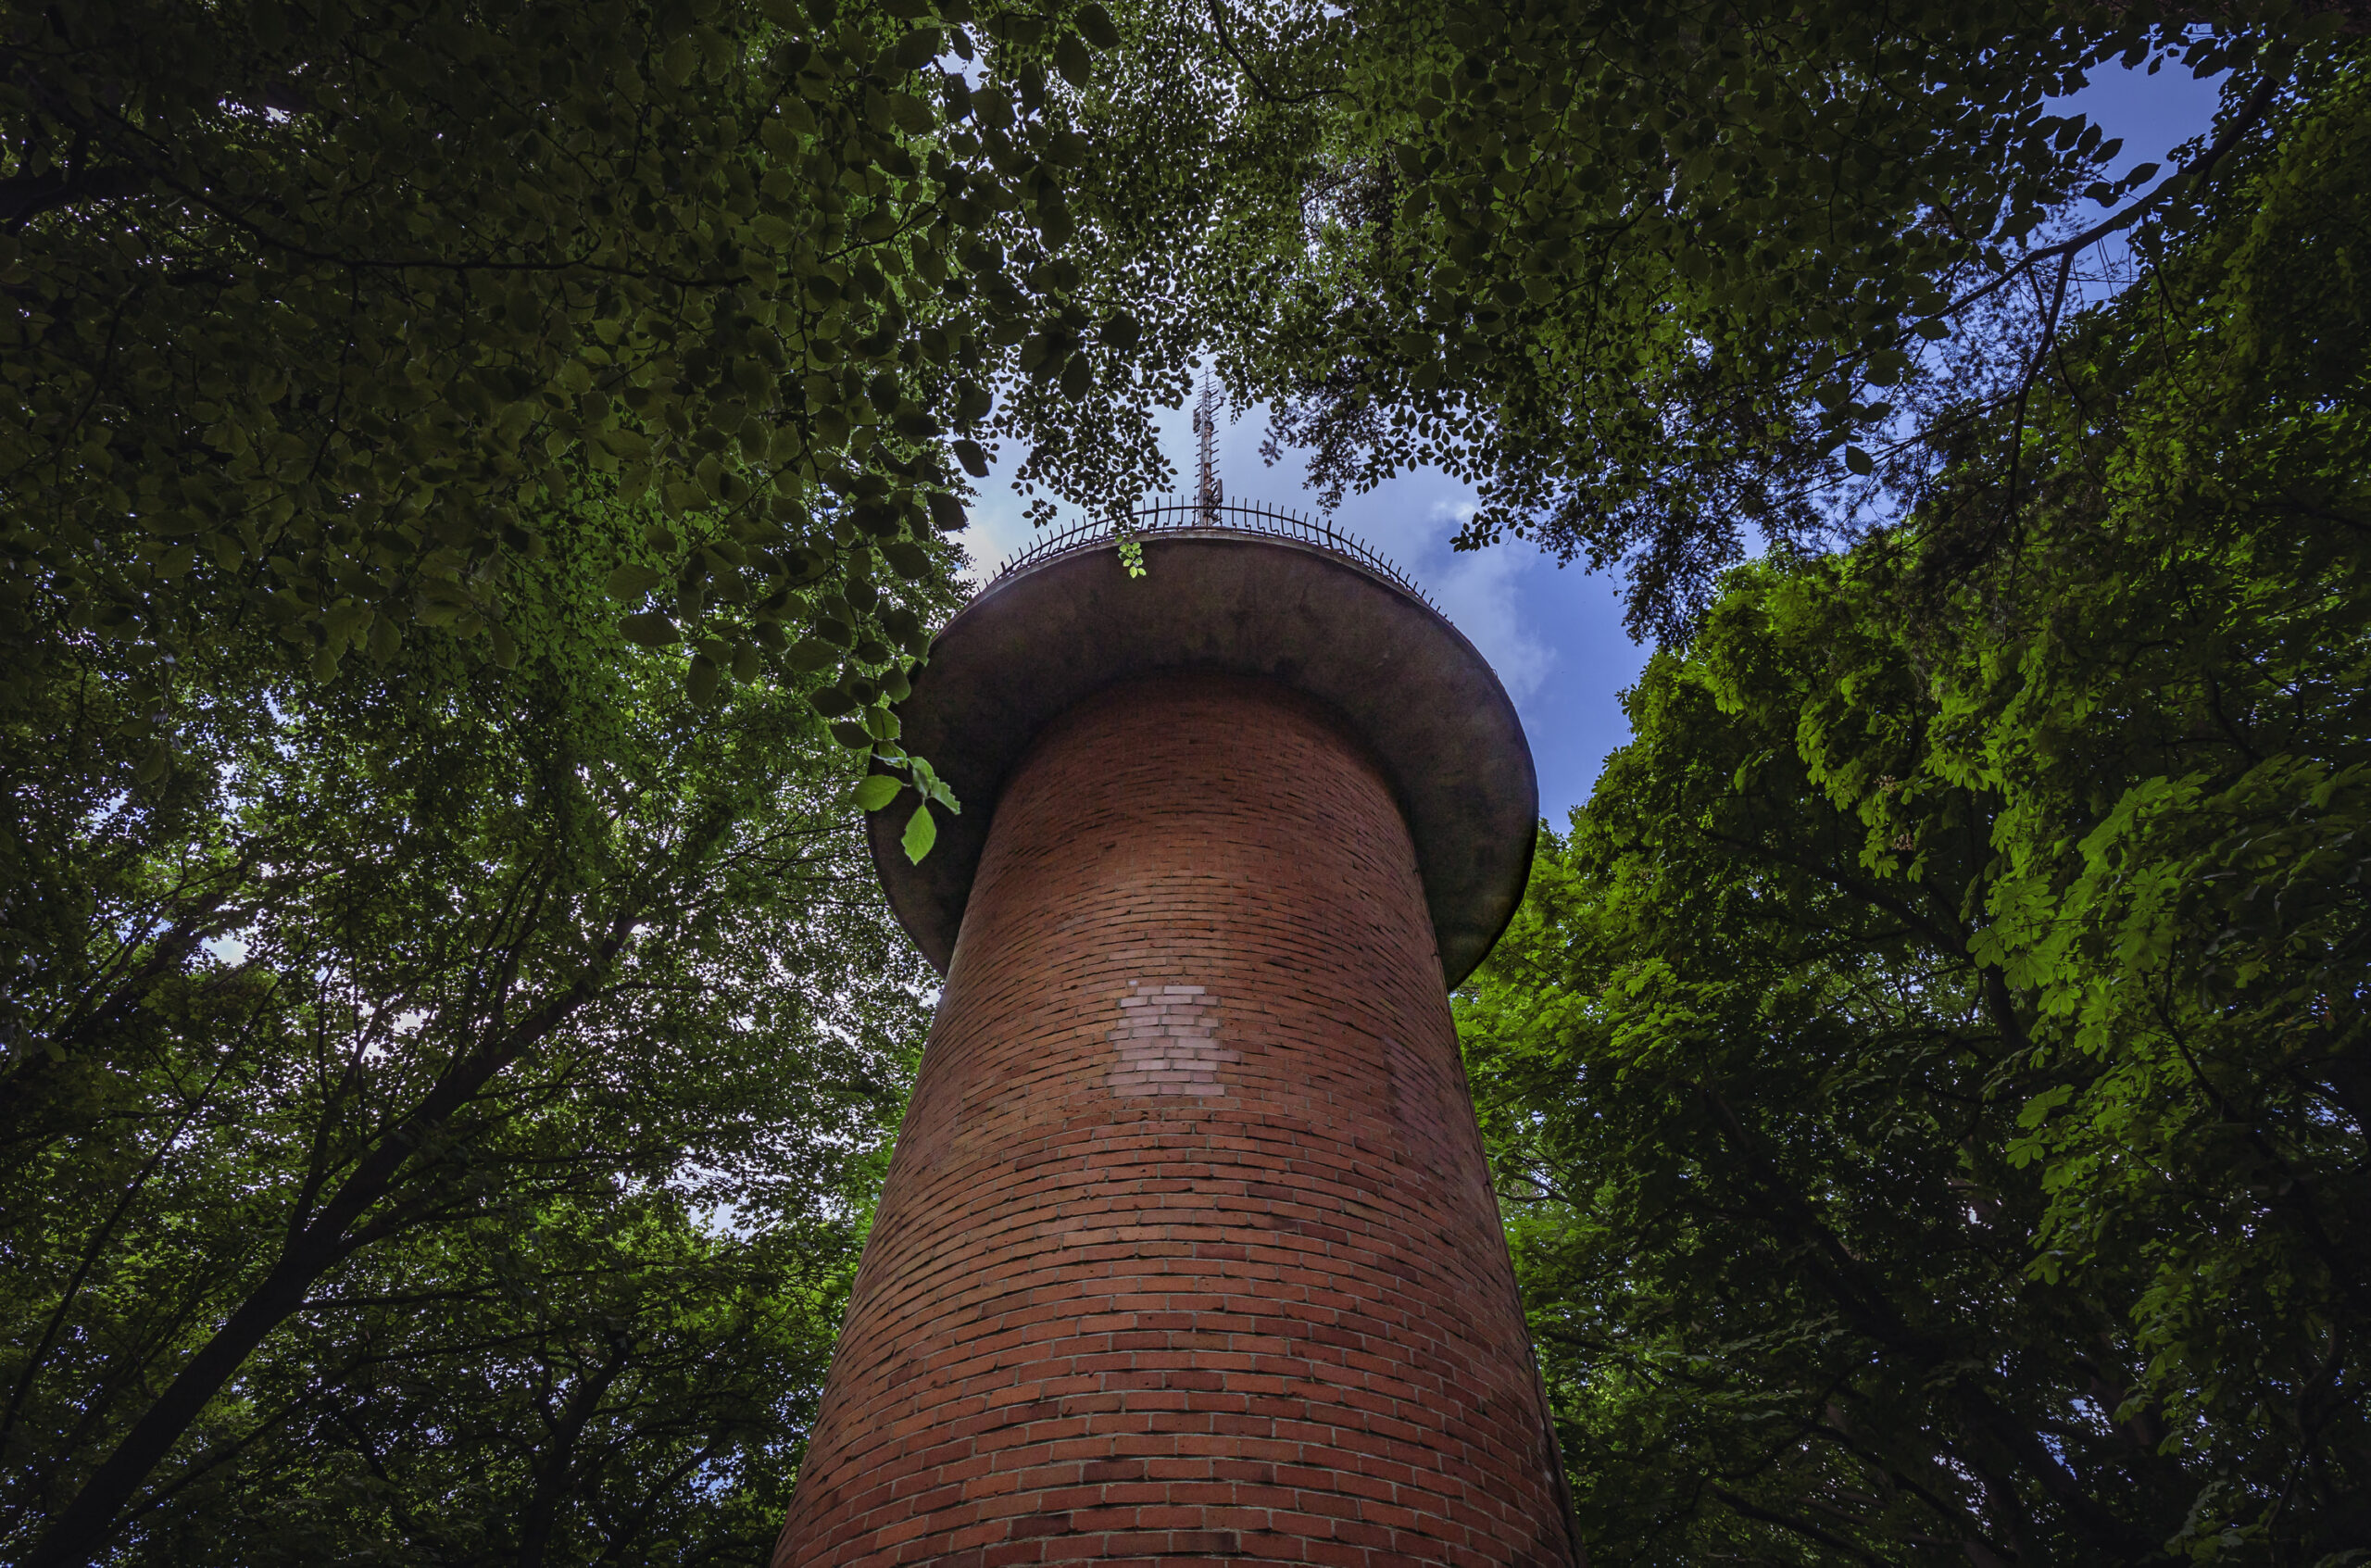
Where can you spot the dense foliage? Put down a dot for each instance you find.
(317, 308)
(1931, 1079)
(442, 1112)
(1658, 279)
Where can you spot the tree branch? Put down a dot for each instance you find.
(78, 1533)
(2241, 123)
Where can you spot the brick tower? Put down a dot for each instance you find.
(1188, 1253)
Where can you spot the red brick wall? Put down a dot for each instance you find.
(1188, 1253)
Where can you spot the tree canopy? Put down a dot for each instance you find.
(443, 1111)
(1661, 280)
(317, 309)
(316, 306)
(1930, 1079)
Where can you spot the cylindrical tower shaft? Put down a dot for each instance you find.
(1188, 1252)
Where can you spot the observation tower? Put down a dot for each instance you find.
(1188, 1253)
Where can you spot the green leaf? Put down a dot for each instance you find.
(1095, 24)
(1859, 461)
(876, 791)
(811, 654)
(651, 630)
(932, 787)
(921, 833)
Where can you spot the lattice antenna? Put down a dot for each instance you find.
(1206, 494)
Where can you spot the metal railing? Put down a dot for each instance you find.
(1219, 517)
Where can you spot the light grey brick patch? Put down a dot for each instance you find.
(1168, 1042)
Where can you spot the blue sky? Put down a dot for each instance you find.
(1554, 634)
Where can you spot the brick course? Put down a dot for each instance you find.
(1188, 1253)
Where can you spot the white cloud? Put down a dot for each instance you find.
(1476, 591)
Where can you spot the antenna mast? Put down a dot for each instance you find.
(1206, 430)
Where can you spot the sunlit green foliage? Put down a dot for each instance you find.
(1932, 1079)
